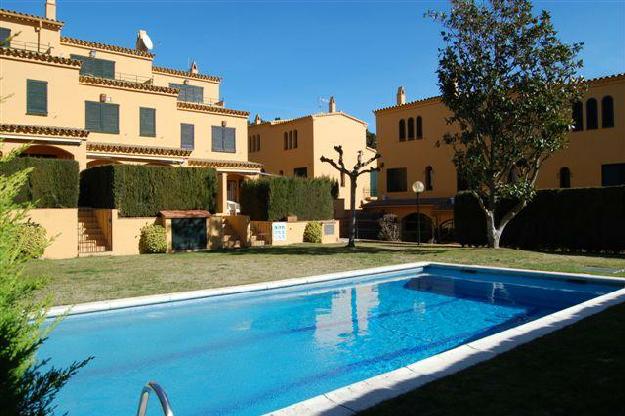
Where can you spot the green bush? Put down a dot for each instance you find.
(153, 239)
(588, 219)
(53, 183)
(143, 191)
(389, 228)
(33, 240)
(313, 232)
(275, 198)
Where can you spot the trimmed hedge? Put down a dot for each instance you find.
(143, 191)
(589, 219)
(275, 198)
(53, 183)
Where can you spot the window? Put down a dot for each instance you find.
(249, 144)
(286, 140)
(187, 136)
(147, 122)
(258, 143)
(591, 114)
(428, 178)
(102, 117)
(281, 173)
(290, 139)
(578, 116)
(224, 139)
(5, 33)
(295, 139)
(189, 93)
(411, 128)
(402, 130)
(565, 177)
(303, 172)
(419, 127)
(373, 183)
(612, 175)
(101, 68)
(342, 179)
(607, 112)
(36, 97)
(396, 180)
(254, 143)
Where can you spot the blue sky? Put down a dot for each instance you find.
(278, 58)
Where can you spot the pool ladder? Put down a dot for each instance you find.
(152, 386)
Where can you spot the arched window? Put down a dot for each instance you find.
(607, 112)
(565, 177)
(411, 128)
(258, 142)
(291, 139)
(429, 184)
(419, 127)
(402, 130)
(286, 140)
(249, 143)
(295, 139)
(591, 114)
(578, 116)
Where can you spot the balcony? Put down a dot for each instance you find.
(27, 46)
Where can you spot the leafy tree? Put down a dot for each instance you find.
(372, 139)
(359, 168)
(28, 386)
(509, 83)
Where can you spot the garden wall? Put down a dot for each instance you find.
(295, 232)
(61, 225)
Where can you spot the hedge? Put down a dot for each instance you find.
(53, 183)
(579, 219)
(143, 191)
(275, 198)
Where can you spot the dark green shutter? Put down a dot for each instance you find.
(187, 136)
(189, 93)
(147, 122)
(5, 33)
(101, 68)
(102, 117)
(217, 139)
(92, 116)
(229, 140)
(36, 97)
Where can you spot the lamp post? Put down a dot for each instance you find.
(417, 188)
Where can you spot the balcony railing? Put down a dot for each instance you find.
(27, 46)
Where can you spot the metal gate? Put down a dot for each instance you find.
(188, 233)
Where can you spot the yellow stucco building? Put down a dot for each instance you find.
(102, 104)
(294, 147)
(409, 132)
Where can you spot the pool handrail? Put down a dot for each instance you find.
(153, 386)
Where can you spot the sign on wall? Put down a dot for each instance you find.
(278, 231)
(328, 228)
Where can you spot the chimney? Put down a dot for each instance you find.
(401, 95)
(332, 105)
(257, 119)
(51, 9)
(194, 69)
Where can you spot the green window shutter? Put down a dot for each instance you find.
(187, 136)
(101, 68)
(5, 33)
(189, 93)
(110, 118)
(229, 145)
(147, 122)
(36, 97)
(217, 139)
(92, 116)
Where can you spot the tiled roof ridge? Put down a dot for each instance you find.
(38, 56)
(44, 130)
(87, 79)
(225, 163)
(188, 74)
(27, 16)
(106, 46)
(209, 108)
(142, 149)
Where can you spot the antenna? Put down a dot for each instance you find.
(144, 43)
(322, 103)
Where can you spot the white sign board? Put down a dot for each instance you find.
(278, 231)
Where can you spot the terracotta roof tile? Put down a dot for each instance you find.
(31, 18)
(222, 163)
(211, 109)
(86, 79)
(188, 213)
(38, 56)
(106, 47)
(186, 74)
(311, 116)
(43, 130)
(135, 149)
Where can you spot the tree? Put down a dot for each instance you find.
(509, 83)
(359, 168)
(372, 140)
(28, 385)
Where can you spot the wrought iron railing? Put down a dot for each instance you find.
(27, 46)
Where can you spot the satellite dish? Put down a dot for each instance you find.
(418, 187)
(144, 43)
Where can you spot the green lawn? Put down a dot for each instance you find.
(97, 278)
(579, 370)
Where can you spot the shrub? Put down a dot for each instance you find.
(52, 183)
(153, 239)
(591, 219)
(389, 228)
(33, 240)
(143, 191)
(313, 232)
(275, 198)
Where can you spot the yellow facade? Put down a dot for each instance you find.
(37, 52)
(588, 151)
(295, 146)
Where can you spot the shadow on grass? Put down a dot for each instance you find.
(319, 250)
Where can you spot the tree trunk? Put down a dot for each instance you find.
(352, 222)
(492, 233)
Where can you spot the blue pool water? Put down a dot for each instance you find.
(247, 354)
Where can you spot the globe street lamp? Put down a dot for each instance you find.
(417, 188)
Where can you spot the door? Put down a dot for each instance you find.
(189, 233)
(233, 191)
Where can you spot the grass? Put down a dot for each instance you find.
(98, 278)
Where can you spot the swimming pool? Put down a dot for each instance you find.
(251, 353)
